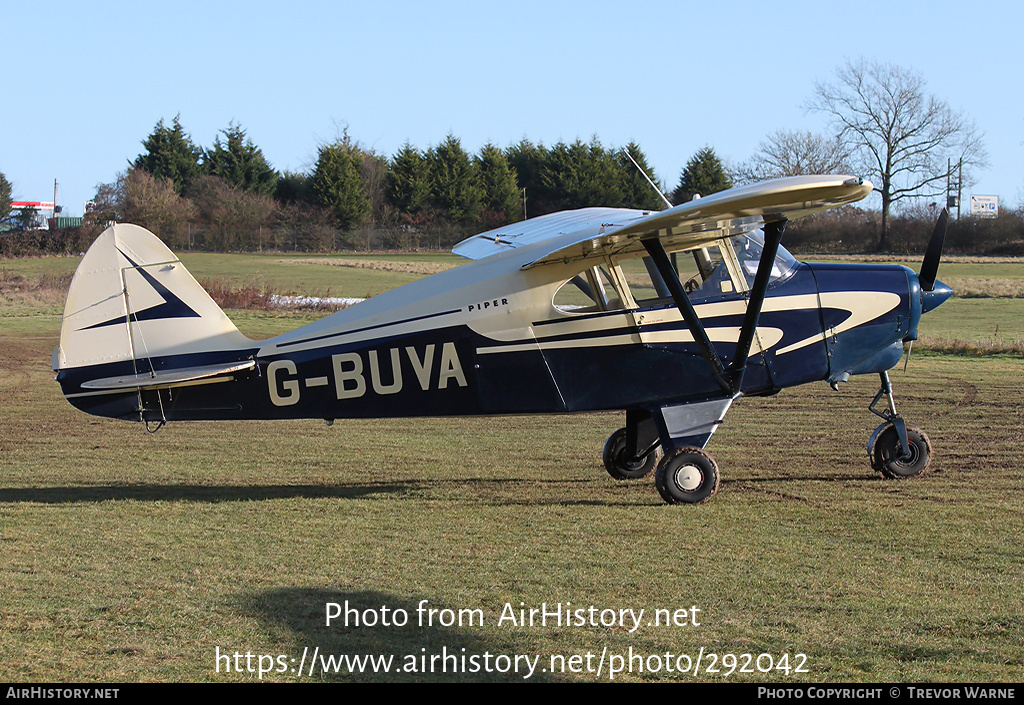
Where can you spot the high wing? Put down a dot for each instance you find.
(544, 227)
(593, 233)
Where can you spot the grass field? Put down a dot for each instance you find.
(126, 556)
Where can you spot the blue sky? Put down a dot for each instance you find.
(87, 82)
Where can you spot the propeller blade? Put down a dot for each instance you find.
(930, 266)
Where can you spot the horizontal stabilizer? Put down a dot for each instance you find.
(165, 378)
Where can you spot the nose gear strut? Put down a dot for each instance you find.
(895, 449)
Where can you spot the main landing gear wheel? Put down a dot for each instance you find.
(887, 454)
(687, 476)
(619, 465)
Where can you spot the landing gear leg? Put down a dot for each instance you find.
(895, 449)
(687, 474)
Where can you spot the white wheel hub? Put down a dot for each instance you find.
(688, 478)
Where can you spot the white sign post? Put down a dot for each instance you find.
(985, 206)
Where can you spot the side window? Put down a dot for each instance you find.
(589, 291)
(720, 271)
(704, 273)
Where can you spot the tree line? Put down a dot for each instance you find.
(229, 197)
(883, 123)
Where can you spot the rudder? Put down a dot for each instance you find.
(129, 274)
(133, 310)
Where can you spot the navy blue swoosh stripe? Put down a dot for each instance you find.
(339, 333)
(172, 307)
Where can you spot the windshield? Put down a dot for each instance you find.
(748, 249)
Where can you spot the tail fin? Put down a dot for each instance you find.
(132, 302)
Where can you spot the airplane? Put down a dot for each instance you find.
(670, 316)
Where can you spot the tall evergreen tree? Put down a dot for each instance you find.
(580, 175)
(293, 187)
(373, 169)
(704, 174)
(454, 181)
(240, 163)
(529, 161)
(171, 154)
(605, 185)
(5, 197)
(337, 184)
(638, 192)
(408, 183)
(501, 192)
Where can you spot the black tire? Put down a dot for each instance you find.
(887, 453)
(687, 476)
(618, 466)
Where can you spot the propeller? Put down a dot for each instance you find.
(930, 266)
(933, 291)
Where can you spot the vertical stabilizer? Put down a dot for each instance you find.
(132, 301)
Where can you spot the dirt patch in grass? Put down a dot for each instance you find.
(44, 289)
(966, 346)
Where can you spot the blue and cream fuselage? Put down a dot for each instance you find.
(487, 338)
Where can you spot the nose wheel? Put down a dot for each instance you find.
(888, 458)
(895, 449)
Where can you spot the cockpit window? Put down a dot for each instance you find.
(719, 271)
(703, 273)
(589, 291)
(748, 249)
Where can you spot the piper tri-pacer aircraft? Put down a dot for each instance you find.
(669, 315)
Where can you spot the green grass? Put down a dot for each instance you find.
(294, 272)
(285, 273)
(126, 556)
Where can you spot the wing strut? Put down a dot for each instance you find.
(772, 238)
(671, 278)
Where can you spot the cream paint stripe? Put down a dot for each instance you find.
(718, 335)
(672, 314)
(571, 326)
(863, 306)
(367, 329)
(817, 337)
(728, 334)
(561, 344)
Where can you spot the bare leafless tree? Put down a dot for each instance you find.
(234, 217)
(153, 203)
(898, 135)
(794, 153)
